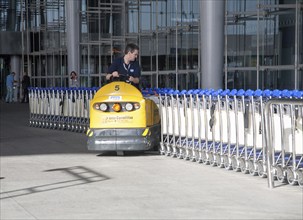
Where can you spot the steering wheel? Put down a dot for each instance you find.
(122, 78)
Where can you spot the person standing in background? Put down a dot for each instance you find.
(25, 85)
(73, 81)
(10, 87)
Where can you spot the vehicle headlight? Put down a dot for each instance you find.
(103, 107)
(129, 106)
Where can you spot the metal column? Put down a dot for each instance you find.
(212, 43)
(72, 8)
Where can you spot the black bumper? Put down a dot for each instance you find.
(129, 139)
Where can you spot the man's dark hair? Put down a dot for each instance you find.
(130, 48)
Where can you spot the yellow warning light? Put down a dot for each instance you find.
(116, 107)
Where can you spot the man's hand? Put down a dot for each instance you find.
(115, 74)
(134, 79)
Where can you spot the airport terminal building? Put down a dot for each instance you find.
(184, 44)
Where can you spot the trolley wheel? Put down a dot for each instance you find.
(300, 177)
(162, 149)
(180, 155)
(226, 162)
(205, 158)
(251, 168)
(202, 156)
(261, 171)
(291, 178)
(243, 165)
(200, 160)
(281, 174)
(195, 156)
(219, 161)
(212, 159)
(186, 157)
(234, 164)
(168, 150)
(167, 153)
(173, 154)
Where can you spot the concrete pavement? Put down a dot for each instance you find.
(49, 174)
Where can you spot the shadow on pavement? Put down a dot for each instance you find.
(80, 175)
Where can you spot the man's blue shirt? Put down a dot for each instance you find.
(132, 69)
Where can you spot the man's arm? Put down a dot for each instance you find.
(134, 79)
(113, 74)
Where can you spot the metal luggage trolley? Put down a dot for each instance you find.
(187, 139)
(284, 137)
(225, 160)
(32, 106)
(238, 150)
(61, 114)
(86, 97)
(179, 118)
(79, 110)
(57, 108)
(253, 131)
(230, 158)
(219, 119)
(54, 105)
(194, 126)
(43, 111)
(174, 119)
(170, 123)
(60, 108)
(162, 109)
(212, 126)
(204, 122)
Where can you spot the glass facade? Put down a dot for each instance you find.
(263, 41)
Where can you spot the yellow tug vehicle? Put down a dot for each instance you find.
(121, 119)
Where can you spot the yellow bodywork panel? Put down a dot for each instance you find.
(152, 113)
(118, 89)
(119, 92)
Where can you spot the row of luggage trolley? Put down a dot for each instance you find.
(227, 129)
(252, 131)
(60, 108)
